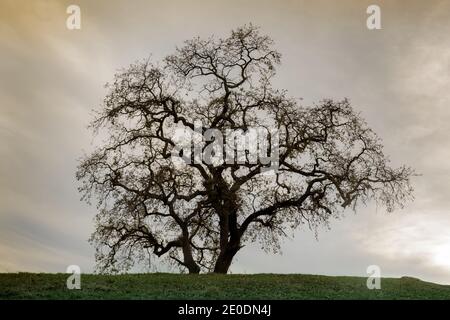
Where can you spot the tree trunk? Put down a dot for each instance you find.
(229, 236)
(193, 268)
(189, 261)
(225, 258)
(223, 264)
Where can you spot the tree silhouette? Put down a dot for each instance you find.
(201, 214)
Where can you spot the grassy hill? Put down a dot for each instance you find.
(210, 286)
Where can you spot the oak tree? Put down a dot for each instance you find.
(200, 215)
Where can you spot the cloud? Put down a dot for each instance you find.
(397, 77)
(418, 241)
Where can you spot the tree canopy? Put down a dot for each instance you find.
(199, 215)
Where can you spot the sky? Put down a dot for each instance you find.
(397, 77)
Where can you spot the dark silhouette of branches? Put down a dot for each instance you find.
(199, 216)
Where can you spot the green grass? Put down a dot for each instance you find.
(211, 286)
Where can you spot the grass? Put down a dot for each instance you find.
(212, 286)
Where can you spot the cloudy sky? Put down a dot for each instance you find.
(397, 77)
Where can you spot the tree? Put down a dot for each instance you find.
(200, 215)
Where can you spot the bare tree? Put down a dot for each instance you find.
(200, 215)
